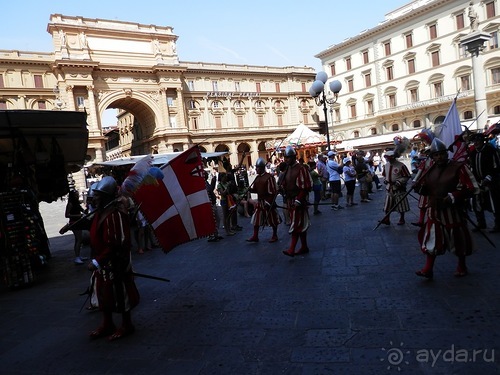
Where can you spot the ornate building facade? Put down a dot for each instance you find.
(164, 104)
(402, 75)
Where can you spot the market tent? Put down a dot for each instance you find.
(158, 159)
(302, 136)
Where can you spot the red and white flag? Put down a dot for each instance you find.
(178, 207)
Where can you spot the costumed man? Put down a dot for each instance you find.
(485, 165)
(265, 210)
(448, 184)
(296, 184)
(425, 164)
(110, 240)
(396, 175)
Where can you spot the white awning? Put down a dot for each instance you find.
(351, 144)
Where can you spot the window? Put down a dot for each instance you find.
(462, 51)
(38, 81)
(369, 107)
(42, 104)
(468, 115)
(413, 95)
(395, 127)
(350, 84)
(492, 42)
(490, 9)
(352, 111)
(260, 119)
(3, 104)
(238, 104)
(459, 21)
(237, 87)
(391, 100)
(280, 120)
(387, 48)
(191, 85)
(465, 82)
(432, 31)
(277, 85)
(215, 86)
(240, 121)
(257, 86)
(304, 87)
(332, 69)
(173, 121)
(192, 104)
(409, 40)
(80, 101)
(259, 104)
(411, 66)
(368, 80)
(496, 110)
(416, 124)
(373, 131)
(438, 89)
(170, 101)
(215, 105)
(348, 63)
(366, 58)
(194, 122)
(389, 73)
(435, 58)
(218, 122)
(355, 134)
(495, 76)
(337, 114)
(305, 118)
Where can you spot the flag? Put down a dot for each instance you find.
(450, 128)
(178, 207)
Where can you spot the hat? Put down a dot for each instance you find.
(389, 154)
(331, 153)
(346, 160)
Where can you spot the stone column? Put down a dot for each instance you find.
(474, 43)
(70, 97)
(22, 101)
(93, 123)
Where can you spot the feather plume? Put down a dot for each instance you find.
(136, 175)
(402, 144)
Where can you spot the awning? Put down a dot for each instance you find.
(351, 144)
(38, 130)
(158, 159)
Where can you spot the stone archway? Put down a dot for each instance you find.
(244, 156)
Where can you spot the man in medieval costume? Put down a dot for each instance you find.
(296, 184)
(111, 263)
(265, 210)
(448, 184)
(485, 165)
(396, 175)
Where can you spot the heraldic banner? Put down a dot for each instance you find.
(178, 207)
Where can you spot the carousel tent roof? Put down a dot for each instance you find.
(302, 136)
(158, 159)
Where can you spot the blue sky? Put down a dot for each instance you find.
(260, 32)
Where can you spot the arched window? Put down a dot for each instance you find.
(373, 131)
(355, 134)
(467, 115)
(395, 127)
(417, 124)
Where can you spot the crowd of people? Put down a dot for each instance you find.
(448, 188)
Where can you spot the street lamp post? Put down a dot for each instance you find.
(317, 91)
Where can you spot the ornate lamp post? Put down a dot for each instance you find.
(317, 91)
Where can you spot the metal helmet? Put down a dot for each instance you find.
(260, 163)
(290, 152)
(90, 193)
(437, 145)
(107, 186)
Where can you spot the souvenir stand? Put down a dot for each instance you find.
(37, 151)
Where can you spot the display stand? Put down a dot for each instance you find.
(23, 241)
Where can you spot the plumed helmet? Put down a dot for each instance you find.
(90, 193)
(437, 145)
(107, 186)
(290, 152)
(260, 163)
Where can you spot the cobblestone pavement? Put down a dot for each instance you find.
(353, 305)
